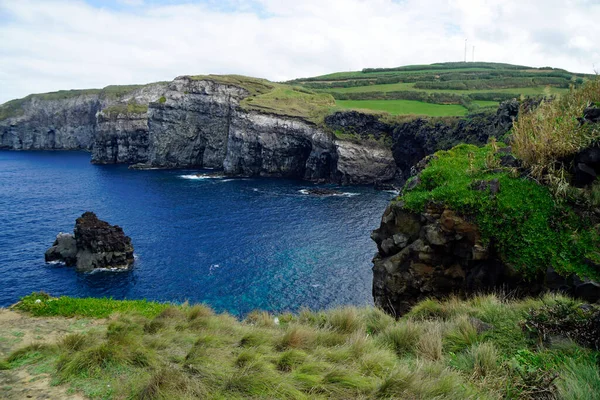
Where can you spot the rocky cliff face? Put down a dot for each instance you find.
(55, 124)
(121, 138)
(431, 254)
(200, 125)
(66, 120)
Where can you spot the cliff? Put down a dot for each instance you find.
(244, 126)
(64, 120)
(472, 219)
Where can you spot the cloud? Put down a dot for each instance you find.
(58, 44)
(131, 2)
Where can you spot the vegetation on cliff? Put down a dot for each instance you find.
(547, 138)
(276, 98)
(125, 109)
(531, 228)
(14, 108)
(486, 347)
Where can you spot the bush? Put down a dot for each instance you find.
(553, 132)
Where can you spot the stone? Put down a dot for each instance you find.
(588, 291)
(493, 186)
(480, 326)
(64, 249)
(445, 257)
(592, 113)
(435, 236)
(94, 244)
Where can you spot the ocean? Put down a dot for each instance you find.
(236, 244)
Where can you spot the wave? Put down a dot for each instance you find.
(202, 176)
(339, 194)
(98, 270)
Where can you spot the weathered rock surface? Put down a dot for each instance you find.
(121, 139)
(93, 244)
(431, 254)
(585, 165)
(361, 163)
(64, 121)
(198, 123)
(437, 253)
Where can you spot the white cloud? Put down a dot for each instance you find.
(59, 44)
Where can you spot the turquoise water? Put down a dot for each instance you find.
(235, 244)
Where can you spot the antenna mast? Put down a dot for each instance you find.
(473, 57)
(466, 50)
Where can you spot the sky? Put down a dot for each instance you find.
(48, 45)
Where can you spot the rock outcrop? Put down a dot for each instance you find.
(94, 244)
(414, 140)
(431, 254)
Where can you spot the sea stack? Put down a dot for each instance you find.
(94, 244)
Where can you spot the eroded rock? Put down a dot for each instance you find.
(94, 244)
(432, 254)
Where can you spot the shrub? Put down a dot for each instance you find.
(297, 337)
(552, 132)
(485, 358)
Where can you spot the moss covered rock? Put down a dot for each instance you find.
(469, 221)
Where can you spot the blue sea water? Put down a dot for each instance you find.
(235, 244)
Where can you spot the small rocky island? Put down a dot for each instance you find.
(94, 244)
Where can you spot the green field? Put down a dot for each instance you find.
(406, 107)
(393, 87)
(484, 103)
(456, 87)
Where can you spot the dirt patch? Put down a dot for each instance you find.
(18, 330)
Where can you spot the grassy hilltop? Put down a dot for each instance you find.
(488, 347)
(443, 89)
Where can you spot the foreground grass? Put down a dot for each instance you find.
(404, 107)
(455, 349)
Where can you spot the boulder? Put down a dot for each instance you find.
(64, 249)
(94, 244)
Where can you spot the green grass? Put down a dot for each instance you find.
(403, 107)
(529, 229)
(88, 307)
(130, 108)
(191, 352)
(292, 101)
(485, 103)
